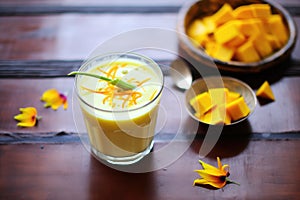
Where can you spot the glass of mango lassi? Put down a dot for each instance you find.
(120, 121)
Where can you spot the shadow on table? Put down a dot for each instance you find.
(103, 181)
(233, 140)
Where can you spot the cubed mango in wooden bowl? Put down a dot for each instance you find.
(236, 35)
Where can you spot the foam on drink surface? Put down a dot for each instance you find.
(105, 96)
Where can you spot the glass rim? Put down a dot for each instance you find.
(118, 55)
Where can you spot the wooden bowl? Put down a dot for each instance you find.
(202, 85)
(203, 8)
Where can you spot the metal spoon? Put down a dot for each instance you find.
(181, 74)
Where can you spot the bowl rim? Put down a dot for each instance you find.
(288, 47)
(224, 78)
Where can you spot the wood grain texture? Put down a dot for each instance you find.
(265, 170)
(58, 37)
(280, 116)
(42, 40)
(116, 3)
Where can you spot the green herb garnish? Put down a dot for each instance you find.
(117, 82)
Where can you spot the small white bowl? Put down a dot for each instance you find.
(203, 84)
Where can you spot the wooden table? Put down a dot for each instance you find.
(41, 41)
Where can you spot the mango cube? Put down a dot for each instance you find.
(250, 27)
(197, 31)
(226, 32)
(247, 53)
(201, 103)
(278, 28)
(273, 41)
(231, 96)
(218, 95)
(265, 91)
(222, 52)
(247, 33)
(262, 45)
(224, 14)
(237, 41)
(210, 24)
(261, 10)
(219, 106)
(243, 12)
(238, 109)
(217, 115)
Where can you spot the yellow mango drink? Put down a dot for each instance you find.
(120, 122)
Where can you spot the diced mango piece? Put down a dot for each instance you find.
(273, 41)
(224, 14)
(250, 27)
(262, 45)
(238, 109)
(201, 103)
(210, 48)
(237, 41)
(197, 31)
(217, 115)
(252, 11)
(243, 12)
(261, 10)
(278, 28)
(247, 33)
(210, 24)
(265, 91)
(222, 106)
(247, 53)
(223, 52)
(226, 32)
(231, 96)
(218, 95)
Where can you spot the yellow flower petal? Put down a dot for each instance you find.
(49, 95)
(219, 163)
(54, 99)
(211, 169)
(225, 168)
(27, 117)
(211, 177)
(27, 124)
(65, 105)
(205, 182)
(29, 110)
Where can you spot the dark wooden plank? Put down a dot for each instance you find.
(59, 37)
(51, 10)
(281, 116)
(59, 68)
(118, 3)
(265, 170)
(50, 68)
